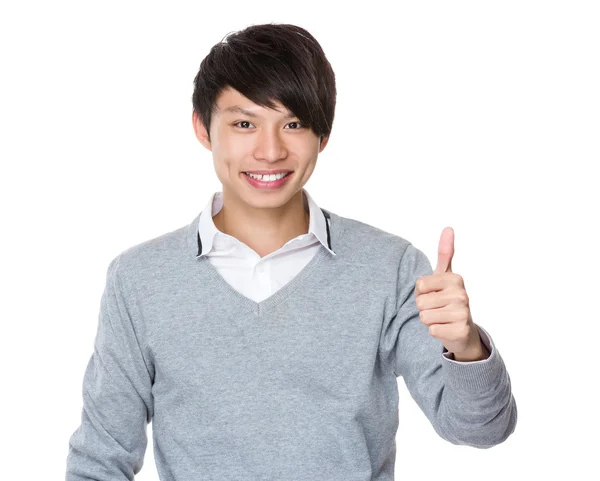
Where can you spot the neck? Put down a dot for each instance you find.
(263, 230)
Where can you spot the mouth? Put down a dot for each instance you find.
(268, 184)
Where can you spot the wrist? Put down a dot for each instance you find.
(478, 354)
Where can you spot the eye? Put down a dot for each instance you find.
(241, 122)
(298, 125)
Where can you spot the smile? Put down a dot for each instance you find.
(260, 183)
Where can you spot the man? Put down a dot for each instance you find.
(265, 338)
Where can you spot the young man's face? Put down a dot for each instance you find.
(266, 141)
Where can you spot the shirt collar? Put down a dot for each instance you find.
(318, 222)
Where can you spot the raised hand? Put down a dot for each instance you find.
(444, 306)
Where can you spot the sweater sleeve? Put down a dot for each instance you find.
(110, 443)
(467, 403)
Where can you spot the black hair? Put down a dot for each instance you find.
(268, 62)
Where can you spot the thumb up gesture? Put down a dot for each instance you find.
(444, 306)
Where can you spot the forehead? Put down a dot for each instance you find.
(232, 102)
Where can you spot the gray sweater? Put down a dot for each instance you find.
(301, 386)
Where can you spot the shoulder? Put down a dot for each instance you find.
(368, 243)
(144, 259)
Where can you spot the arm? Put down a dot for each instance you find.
(467, 403)
(110, 442)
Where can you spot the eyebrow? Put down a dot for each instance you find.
(240, 110)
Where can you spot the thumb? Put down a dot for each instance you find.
(445, 251)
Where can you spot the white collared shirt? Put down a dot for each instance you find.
(255, 277)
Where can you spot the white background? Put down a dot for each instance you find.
(483, 116)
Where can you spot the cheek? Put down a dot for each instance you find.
(310, 160)
(234, 151)
(309, 151)
(227, 165)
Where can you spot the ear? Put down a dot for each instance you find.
(323, 143)
(200, 131)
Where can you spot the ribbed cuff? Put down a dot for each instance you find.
(475, 376)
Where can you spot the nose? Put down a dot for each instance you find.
(270, 146)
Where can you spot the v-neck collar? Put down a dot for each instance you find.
(209, 273)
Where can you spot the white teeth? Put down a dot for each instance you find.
(267, 178)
